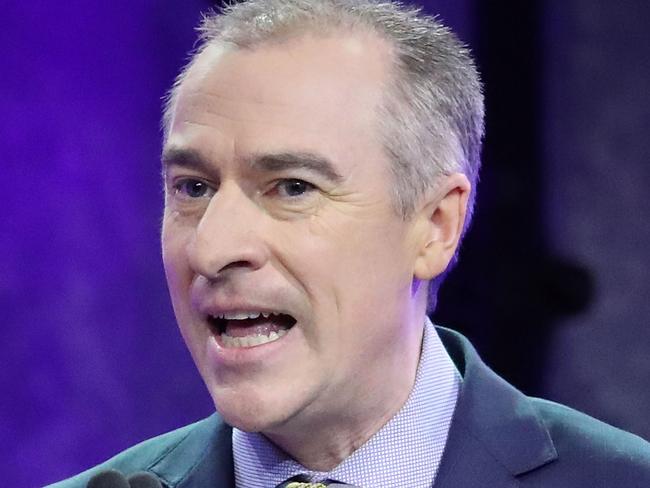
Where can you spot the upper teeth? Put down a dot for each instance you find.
(244, 315)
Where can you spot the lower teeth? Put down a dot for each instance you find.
(250, 341)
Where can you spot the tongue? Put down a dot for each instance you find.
(253, 327)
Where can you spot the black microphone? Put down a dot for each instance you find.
(112, 478)
(144, 480)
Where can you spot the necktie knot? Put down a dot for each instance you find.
(299, 482)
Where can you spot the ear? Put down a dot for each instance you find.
(441, 223)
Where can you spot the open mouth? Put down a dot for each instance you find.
(250, 329)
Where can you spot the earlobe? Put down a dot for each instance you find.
(442, 219)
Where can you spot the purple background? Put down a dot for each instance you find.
(92, 361)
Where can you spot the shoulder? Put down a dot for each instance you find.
(142, 456)
(591, 451)
(499, 431)
(576, 432)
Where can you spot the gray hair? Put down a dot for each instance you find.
(431, 119)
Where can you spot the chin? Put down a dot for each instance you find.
(251, 411)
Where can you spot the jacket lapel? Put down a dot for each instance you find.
(203, 459)
(496, 434)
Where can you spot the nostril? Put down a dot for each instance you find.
(225, 254)
(236, 265)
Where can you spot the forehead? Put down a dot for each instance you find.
(319, 79)
(329, 61)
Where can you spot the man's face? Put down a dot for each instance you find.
(278, 203)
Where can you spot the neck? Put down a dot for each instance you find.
(320, 440)
(323, 448)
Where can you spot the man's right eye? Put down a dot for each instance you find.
(192, 188)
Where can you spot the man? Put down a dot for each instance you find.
(319, 162)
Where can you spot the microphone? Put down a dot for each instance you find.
(144, 480)
(112, 478)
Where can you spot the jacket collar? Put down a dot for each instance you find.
(496, 433)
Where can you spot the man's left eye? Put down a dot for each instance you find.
(292, 188)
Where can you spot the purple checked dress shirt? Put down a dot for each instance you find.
(406, 452)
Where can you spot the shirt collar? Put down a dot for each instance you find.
(408, 448)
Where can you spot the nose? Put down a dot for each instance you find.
(227, 237)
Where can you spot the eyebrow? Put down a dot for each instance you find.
(271, 162)
(184, 157)
(295, 160)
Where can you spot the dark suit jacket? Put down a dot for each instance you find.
(498, 438)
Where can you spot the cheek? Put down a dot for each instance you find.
(338, 254)
(179, 281)
(177, 269)
(174, 239)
